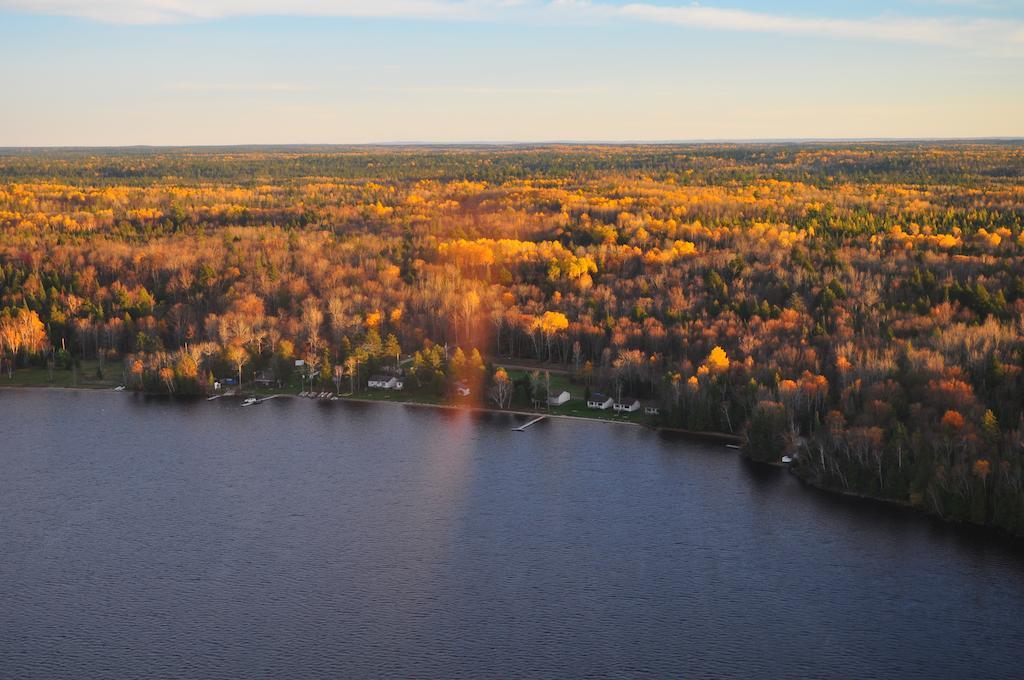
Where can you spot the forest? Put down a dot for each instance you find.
(858, 306)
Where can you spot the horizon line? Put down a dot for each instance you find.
(506, 143)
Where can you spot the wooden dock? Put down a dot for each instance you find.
(522, 428)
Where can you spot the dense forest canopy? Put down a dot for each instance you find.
(859, 303)
(927, 163)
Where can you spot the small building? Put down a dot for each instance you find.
(384, 382)
(600, 401)
(462, 389)
(652, 411)
(559, 399)
(627, 406)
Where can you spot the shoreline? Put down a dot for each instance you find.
(907, 506)
(69, 388)
(723, 437)
(834, 490)
(717, 437)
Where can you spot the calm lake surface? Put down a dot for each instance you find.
(148, 538)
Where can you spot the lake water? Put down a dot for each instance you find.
(147, 538)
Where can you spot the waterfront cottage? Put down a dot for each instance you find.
(384, 382)
(627, 406)
(559, 399)
(652, 411)
(600, 401)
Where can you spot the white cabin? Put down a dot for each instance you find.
(600, 401)
(627, 406)
(384, 382)
(559, 399)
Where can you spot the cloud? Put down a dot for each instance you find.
(234, 88)
(977, 4)
(1004, 37)
(960, 33)
(173, 11)
(502, 91)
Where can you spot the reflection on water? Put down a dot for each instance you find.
(153, 538)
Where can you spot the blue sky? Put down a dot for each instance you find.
(113, 72)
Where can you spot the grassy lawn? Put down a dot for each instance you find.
(85, 377)
(410, 395)
(576, 406)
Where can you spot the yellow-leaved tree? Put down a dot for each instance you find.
(549, 324)
(718, 360)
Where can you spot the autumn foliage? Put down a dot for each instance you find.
(859, 305)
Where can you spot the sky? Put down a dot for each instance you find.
(211, 72)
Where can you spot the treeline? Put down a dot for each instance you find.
(908, 162)
(858, 305)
